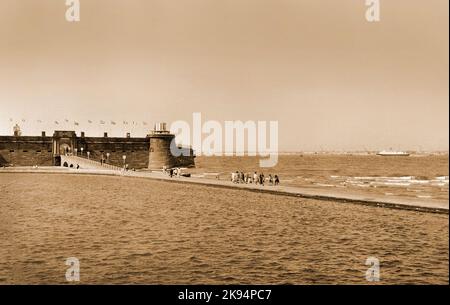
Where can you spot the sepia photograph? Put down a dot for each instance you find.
(200, 144)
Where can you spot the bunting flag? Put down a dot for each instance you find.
(134, 123)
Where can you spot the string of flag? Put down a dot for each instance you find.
(77, 123)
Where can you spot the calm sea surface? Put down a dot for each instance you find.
(132, 230)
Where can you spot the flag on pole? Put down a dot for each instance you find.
(144, 123)
(10, 119)
(76, 123)
(56, 122)
(102, 122)
(89, 121)
(113, 123)
(125, 123)
(67, 121)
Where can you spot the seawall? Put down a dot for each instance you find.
(430, 206)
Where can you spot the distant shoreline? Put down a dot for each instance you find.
(357, 153)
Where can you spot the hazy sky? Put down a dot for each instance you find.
(331, 79)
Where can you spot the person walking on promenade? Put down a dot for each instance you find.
(236, 177)
(270, 179)
(255, 178)
(277, 180)
(171, 172)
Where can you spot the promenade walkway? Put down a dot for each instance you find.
(85, 163)
(397, 202)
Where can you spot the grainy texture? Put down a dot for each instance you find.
(131, 230)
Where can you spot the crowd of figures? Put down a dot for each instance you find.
(236, 177)
(174, 172)
(240, 177)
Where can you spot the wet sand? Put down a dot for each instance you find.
(133, 230)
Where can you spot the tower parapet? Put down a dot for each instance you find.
(160, 155)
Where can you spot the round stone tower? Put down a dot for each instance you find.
(160, 155)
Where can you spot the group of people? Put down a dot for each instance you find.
(172, 172)
(240, 177)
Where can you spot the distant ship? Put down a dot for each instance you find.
(391, 153)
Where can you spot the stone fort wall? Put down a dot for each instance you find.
(136, 150)
(26, 151)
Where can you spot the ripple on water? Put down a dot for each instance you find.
(140, 231)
